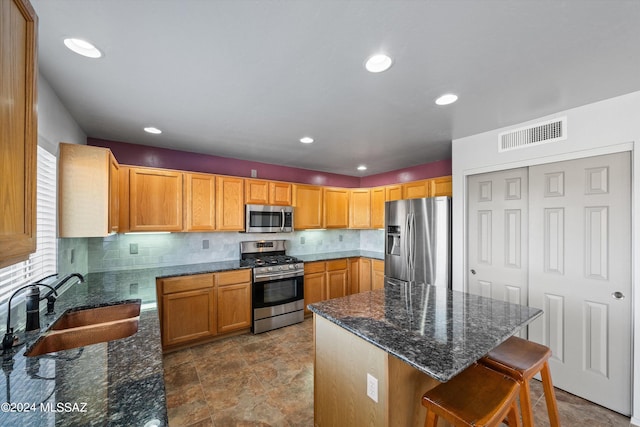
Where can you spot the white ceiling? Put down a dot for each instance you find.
(247, 78)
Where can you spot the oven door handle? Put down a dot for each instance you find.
(278, 276)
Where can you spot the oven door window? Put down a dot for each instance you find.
(276, 292)
(265, 219)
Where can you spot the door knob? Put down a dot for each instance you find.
(617, 295)
(473, 271)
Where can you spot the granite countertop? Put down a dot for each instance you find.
(438, 331)
(327, 256)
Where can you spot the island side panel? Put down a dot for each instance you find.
(342, 361)
(406, 387)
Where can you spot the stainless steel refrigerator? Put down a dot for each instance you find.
(418, 242)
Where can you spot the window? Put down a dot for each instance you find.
(43, 261)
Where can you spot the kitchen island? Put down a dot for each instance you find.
(377, 352)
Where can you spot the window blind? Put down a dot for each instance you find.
(44, 260)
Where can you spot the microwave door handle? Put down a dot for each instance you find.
(282, 222)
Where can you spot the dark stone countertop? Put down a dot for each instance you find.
(327, 256)
(120, 381)
(438, 331)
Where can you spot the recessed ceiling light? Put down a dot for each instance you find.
(447, 99)
(152, 130)
(82, 47)
(378, 63)
(306, 140)
(362, 168)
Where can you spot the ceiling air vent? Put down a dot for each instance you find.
(541, 133)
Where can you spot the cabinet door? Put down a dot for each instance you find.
(360, 208)
(280, 193)
(18, 122)
(354, 275)
(377, 207)
(416, 189)
(441, 186)
(229, 203)
(200, 203)
(188, 316)
(114, 194)
(337, 283)
(234, 307)
(336, 207)
(256, 191)
(155, 200)
(307, 200)
(314, 283)
(365, 274)
(393, 192)
(377, 273)
(88, 185)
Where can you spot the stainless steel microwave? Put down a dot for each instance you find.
(268, 219)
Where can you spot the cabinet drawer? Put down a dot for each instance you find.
(186, 283)
(233, 277)
(313, 267)
(337, 264)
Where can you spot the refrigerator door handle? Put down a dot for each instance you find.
(407, 243)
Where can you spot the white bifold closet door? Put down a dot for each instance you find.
(580, 274)
(558, 237)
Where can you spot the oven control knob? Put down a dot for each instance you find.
(269, 268)
(291, 266)
(282, 267)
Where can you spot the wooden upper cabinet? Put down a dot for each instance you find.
(308, 203)
(441, 186)
(200, 202)
(155, 200)
(88, 191)
(280, 193)
(336, 207)
(360, 208)
(416, 189)
(393, 192)
(256, 191)
(262, 192)
(114, 194)
(377, 207)
(229, 203)
(18, 122)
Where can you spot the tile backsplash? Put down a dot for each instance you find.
(135, 251)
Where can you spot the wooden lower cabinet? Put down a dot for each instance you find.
(234, 300)
(314, 283)
(197, 308)
(364, 269)
(187, 308)
(337, 272)
(377, 274)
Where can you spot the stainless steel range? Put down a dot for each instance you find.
(278, 284)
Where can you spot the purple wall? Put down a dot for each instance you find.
(414, 173)
(144, 155)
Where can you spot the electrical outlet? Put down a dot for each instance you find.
(302, 240)
(372, 387)
(71, 256)
(254, 173)
(133, 288)
(205, 244)
(133, 248)
(340, 237)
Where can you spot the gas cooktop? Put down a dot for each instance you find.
(269, 260)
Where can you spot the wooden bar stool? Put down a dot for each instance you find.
(522, 360)
(477, 397)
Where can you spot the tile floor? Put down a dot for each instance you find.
(267, 380)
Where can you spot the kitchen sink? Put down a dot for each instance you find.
(80, 327)
(76, 317)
